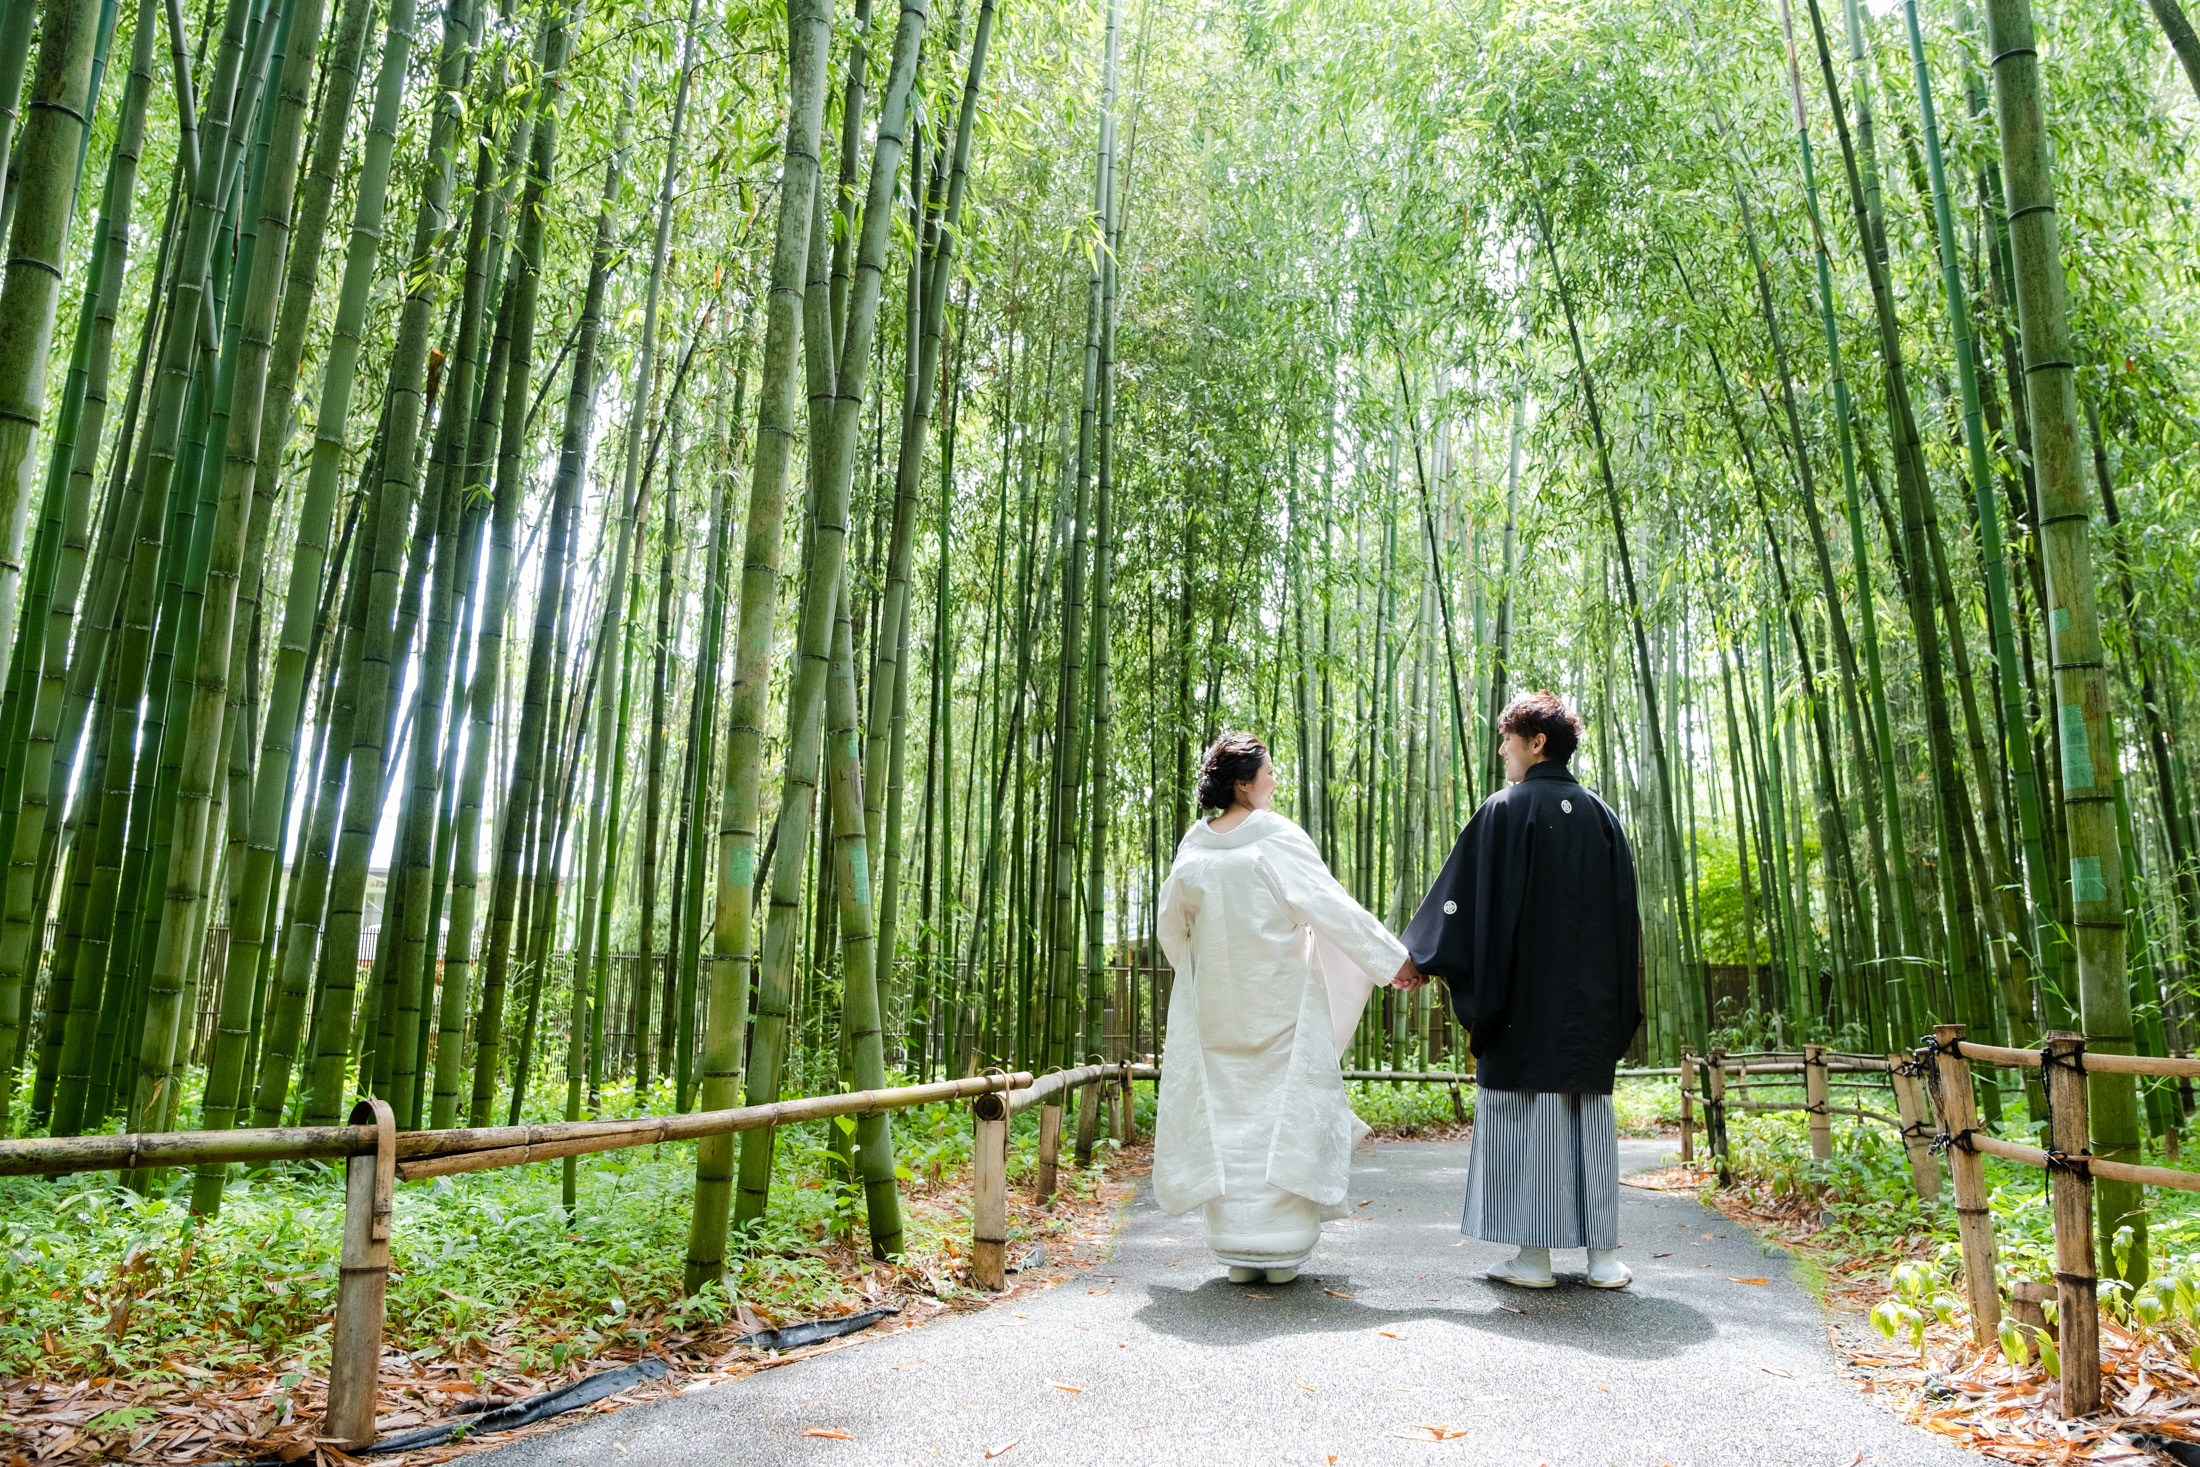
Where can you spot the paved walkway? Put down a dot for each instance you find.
(1391, 1348)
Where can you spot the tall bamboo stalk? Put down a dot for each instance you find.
(809, 24)
(2089, 749)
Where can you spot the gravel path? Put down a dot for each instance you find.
(1391, 1348)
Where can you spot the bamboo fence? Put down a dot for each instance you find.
(377, 1156)
(1816, 1065)
(2063, 1064)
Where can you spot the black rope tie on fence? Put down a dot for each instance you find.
(2074, 1061)
(1913, 1068)
(1928, 1050)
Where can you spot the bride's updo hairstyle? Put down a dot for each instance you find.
(1235, 759)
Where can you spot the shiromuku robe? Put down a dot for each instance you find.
(1534, 926)
(1273, 960)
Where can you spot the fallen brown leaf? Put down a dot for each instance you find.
(992, 1452)
(1431, 1433)
(1075, 1390)
(1732, 1279)
(1336, 1293)
(1251, 1295)
(828, 1431)
(1390, 1334)
(1302, 1385)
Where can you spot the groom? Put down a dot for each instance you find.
(1534, 927)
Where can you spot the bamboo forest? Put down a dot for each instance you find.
(597, 558)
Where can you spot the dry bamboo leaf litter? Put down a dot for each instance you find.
(1951, 1387)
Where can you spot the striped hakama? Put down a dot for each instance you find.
(1543, 1170)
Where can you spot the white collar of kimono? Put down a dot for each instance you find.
(1254, 826)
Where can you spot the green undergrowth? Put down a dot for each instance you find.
(1645, 1107)
(96, 1280)
(1873, 1220)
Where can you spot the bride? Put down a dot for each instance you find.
(1273, 964)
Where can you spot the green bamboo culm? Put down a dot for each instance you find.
(610, 736)
(2089, 750)
(206, 735)
(842, 368)
(69, 484)
(52, 138)
(726, 1010)
(2030, 916)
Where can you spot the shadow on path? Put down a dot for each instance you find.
(1611, 1325)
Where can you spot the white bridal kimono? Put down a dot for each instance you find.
(1273, 963)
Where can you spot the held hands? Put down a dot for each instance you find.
(1408, 977)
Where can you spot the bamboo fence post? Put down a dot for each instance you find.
(2078, 1317)
(1814, 1101)
(1088, 1123)
(356, 1351)
(1458, 1104)
(989, 1192)
(2027, 1298)
(1128, 1132)
(1715, 1112)
(1688, 1108)
(1974, 1224)
(1917, 1132)
(1050, 1151)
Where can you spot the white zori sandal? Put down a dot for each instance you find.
(1530, 1268)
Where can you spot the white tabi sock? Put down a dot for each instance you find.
(1606, 1271)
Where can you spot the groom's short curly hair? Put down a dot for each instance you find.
(1234, 759)
(1542, 713)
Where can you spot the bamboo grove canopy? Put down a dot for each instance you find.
(566, 558)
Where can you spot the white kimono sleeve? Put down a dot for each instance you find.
(1355, 951)
(1187, 1164)
(1179, 909)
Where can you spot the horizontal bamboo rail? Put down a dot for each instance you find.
(1058, 1082)
(1841, 1066)
(39, 1156)
(2115, 1171)
(1878, 1087)
(2107, 1064)
(1858, 1112)
(51, 1155)
(552, 1142)
(1414, 1077)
